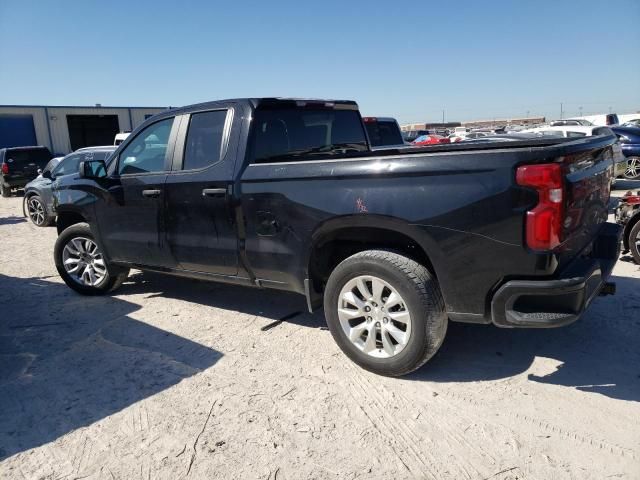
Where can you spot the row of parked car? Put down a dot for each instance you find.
(627, 151)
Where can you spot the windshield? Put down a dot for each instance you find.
(305, 133)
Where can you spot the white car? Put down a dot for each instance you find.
(602, 120)
(121, 137)
(577, 131)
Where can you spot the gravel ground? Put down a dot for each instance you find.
(173, 378)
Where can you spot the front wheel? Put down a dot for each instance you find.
(82, 265)
(632, 171)
(37, 212)
(385, 311)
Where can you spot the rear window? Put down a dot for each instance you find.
(39, 156)
(383, 133)
(204, 139)
(288, 134)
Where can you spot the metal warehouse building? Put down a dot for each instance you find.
(64, 129)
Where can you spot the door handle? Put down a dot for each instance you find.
(151, 193)
(213, 192)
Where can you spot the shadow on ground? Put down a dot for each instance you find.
(67, 361)
(599, 353)
(272, 304)
(12, 220)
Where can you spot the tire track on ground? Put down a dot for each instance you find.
(545, 426)
(475, 462)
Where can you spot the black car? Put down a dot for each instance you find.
(20, 165)
(38, 199)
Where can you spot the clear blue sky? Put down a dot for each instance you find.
(411, 60)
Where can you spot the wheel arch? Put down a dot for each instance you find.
(341, 237)
(66, 218)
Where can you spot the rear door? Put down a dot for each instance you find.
(199, 216)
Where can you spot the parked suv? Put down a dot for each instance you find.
(20, 165)
(38, 196)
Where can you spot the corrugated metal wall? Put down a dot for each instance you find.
(56, 134)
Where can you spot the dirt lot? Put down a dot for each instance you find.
(172, 378)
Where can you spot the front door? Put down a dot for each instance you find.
(199, 217)
(131, 218)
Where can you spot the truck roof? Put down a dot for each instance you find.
(262, 101)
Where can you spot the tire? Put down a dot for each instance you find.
(5, 190)
(421, 304)
(37, 212)
(632, 171)
(634, 242)
(79, 239)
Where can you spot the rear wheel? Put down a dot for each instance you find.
(634, 242)
(385, 311)
(82, 265)
(5, 190)
(633, 168)
(37, 212)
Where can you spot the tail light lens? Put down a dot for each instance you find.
(5, 169)
(544, 222)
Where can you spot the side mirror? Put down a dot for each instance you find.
(94, 169)
(46, 174)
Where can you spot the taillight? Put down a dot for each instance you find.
(544, 222)
(5, 169)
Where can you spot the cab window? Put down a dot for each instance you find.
(203, 145)
(147, 151)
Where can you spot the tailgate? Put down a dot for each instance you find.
(588, 172)
(25, 163)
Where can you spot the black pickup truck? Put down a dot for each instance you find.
(288, 194)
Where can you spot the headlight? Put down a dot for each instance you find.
(624, 139)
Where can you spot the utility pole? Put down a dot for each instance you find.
(527, 113)
(580, 108)
(560, 110)
(443, 117)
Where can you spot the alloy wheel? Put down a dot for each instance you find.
(374, 316)
(633, 168)
(36, 211)
(84, 262)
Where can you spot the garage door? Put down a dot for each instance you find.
(92, 130)
(17, 131)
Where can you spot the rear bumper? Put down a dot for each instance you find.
(12, 182)
(559, 301)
